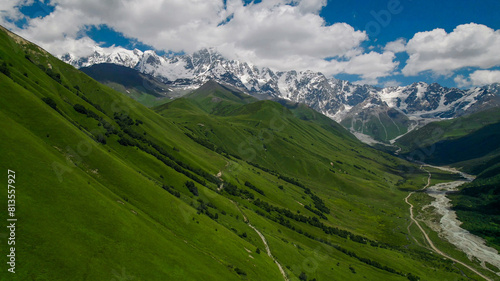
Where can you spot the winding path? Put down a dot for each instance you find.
(268, 250)
(219, 176)
(434, 248)
(411, 208)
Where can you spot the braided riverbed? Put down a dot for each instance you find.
(472, 245)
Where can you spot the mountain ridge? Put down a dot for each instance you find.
(340, 100)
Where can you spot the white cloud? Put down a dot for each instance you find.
(468, 45)
(9, 11)
(188, 25)
(392, 83)
(478, 78)
(462, 82)
(311, 6)
(62, 24)
(484, 77)
(282, 37)
(371, 65)
(77, 47)
(169, 24)
(284, 30)
(280, 34)
(397, 46)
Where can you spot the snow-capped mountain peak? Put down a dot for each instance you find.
(337, 99)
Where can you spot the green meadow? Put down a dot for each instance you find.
(109, 189)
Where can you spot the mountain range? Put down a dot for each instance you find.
(383, 114)
(217, 184)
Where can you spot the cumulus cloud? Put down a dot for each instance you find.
(280, 34)
(468, 45)
(284, 30)
(478, 78)
(62, 24)
(269, 28)
(9, 11)
(397, 46)
(311, 6)
(484, 77)
(392, 83)
(461, 81)
(371, 66)
(81, 47)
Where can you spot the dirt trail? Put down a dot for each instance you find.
(268, 250)
(434, 248)
(411, 208)
(219, 176)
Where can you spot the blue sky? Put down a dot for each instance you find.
(415, 16)
(454, 43)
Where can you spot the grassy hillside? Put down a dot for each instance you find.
(260, 133)
(381, 125)
(96, 211)
(447, 130)
(108, 189)
(469, 151)
(469, 142)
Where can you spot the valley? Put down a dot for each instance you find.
(214, 184)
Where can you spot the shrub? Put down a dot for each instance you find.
(240, 271)
(251, 186)
(192, 188)
(80, 108)
(50, 102)
(412, 277)
(5, 69)
(101, 138)
(171, 190)
(352, 269)
(53, 75)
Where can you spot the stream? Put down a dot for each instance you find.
(472, 245)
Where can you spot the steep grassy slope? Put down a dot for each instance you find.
(381, 125)
(217, 99)
(109, 189)
(471, 151)
(448, 130)
(95, 211)
(306, 113)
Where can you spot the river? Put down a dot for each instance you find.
(472, 245)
